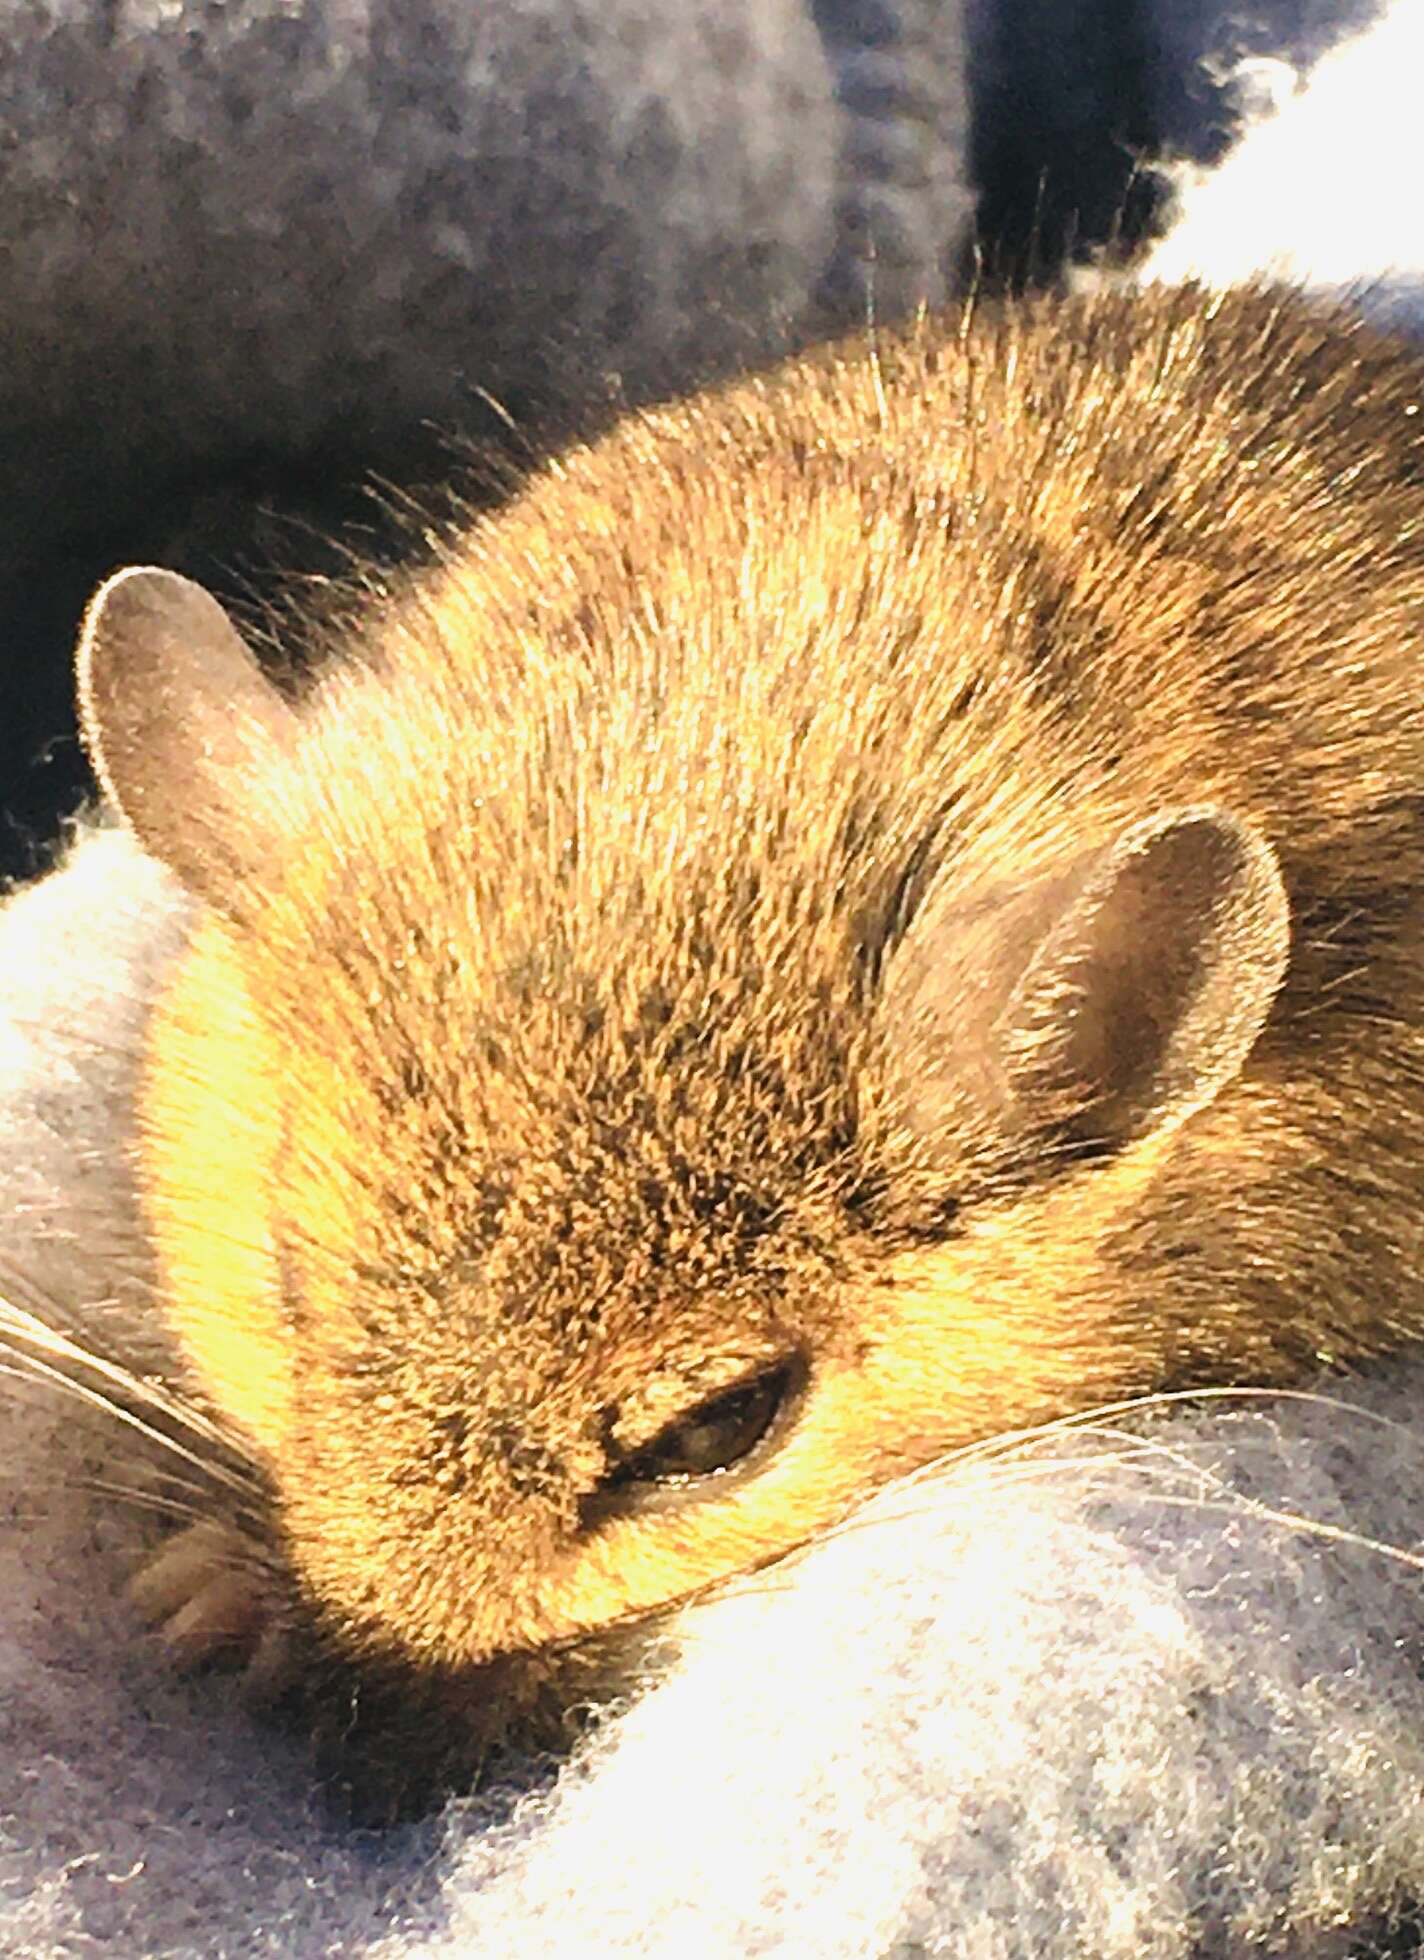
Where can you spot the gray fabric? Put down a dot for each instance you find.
(1194, 47)
(265, 228)
(253, 253)
(1075, 101)
(902, 198)
(246, 228)
(1312, 194)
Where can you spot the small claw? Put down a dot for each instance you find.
(271, 1668)
(224, 1618)
(181, 1566)
(206, 1597)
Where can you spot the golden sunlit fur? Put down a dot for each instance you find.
(596, 999)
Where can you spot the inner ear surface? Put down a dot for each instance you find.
(1151, 990)
(1110, 992)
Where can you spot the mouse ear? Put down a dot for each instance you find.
(180, 723)
(1112, 998)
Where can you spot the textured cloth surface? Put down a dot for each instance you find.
(241, 229)
(1320, 191)
(253, 253)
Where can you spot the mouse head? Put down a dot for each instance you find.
(584, 1161)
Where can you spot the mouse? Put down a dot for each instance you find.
(871, 909)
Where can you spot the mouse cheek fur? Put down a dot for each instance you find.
(211, 1133)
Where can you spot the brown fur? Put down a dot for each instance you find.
(562, 1041)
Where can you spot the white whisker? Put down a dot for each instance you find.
(146, 1500)
(36, 1367)
(27, 1327)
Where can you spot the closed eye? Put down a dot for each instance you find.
(694, 1452)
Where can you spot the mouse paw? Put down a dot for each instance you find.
(210, 1596)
